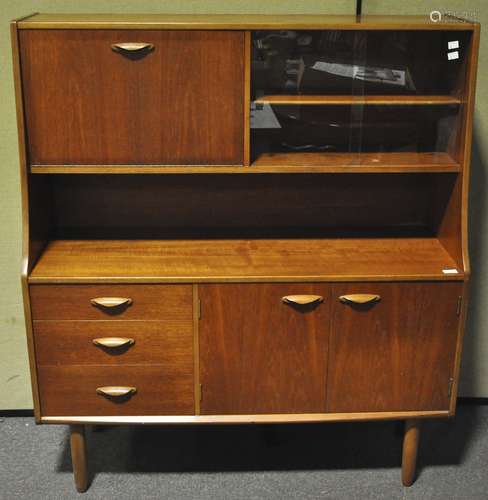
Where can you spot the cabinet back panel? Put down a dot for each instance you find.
(181, 103)
(94, 206)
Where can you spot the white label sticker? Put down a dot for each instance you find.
(454, 44)
(450, 271)
(453, 55)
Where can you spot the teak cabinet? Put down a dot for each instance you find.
(244, 219)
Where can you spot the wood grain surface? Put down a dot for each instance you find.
(343, 259)
(397, 354)
(359, 100)
(241, 22)
(149, 302)
(260, 355)
(178, 104)
(161, 390)
(155, 342)
(105, 206)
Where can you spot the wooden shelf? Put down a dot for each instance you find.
(289, 163)
(358, 162)
(350, 100)
(258, 260)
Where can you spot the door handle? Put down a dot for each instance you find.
(302, 299)
(360, 298)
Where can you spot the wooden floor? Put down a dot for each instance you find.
(370, 259)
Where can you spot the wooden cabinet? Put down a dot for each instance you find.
(395, 353)
(271, 224)
(177, 102)
(260, 353)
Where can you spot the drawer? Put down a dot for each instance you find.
(72, 390)
(167, 342)
(144, 302)
(177, 102)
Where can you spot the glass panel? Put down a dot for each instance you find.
(354, 92)
(384, 62)
(346, 129)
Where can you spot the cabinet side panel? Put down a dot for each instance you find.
(30, 249)
(453, 229)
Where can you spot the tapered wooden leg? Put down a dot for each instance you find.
(410, 446)
(78, 457)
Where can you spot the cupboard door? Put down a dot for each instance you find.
(179, 103)
(395, 354)
(259, 354)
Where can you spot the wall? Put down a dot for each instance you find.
(14, 372)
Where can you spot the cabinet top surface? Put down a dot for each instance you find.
(238, 21)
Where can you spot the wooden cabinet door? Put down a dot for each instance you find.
(259, 354)
(180, 103)
(396, 354)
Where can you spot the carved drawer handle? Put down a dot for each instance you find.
(109, 302)
(113, 342)
(302, 299)
(132, 47)
(360, 298)
(116, 391)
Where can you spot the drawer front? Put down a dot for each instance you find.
(72, 390)
(179, 103)
(115, 342)
(395, 353)
(143, 302)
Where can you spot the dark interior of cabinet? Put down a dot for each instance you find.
(385, 62)
(244, 206)
(358, 129)
(404, 68)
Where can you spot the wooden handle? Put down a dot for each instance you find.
(113, 342)
(302, 299)
(360, 298)
(111, 301)
(116, 391)
(131, 47)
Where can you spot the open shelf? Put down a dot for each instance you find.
(348, 100)
(358, 162)
(256, 260)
